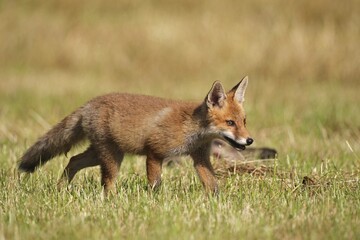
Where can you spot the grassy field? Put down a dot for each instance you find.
(303, 99)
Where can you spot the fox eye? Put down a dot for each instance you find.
(244, 121)
(230, 122)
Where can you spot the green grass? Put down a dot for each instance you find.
(248, 207)
(302, 59)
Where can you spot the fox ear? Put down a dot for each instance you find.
(216, 96)
(239, 90)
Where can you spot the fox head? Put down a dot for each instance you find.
(226, 115)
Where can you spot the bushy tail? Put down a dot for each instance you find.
(56, 141)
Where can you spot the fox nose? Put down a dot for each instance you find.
(249, 141)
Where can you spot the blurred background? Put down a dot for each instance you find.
(302, 58)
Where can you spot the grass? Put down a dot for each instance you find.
(248, 207)
(302, 59)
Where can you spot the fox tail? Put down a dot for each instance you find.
(56, 141)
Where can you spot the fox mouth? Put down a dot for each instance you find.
(234, 144)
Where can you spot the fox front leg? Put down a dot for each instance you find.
(204, 169)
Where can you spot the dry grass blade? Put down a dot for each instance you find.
(224, 168)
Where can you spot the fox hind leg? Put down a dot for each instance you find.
(78, 162)
(153, 171)
(110, 162)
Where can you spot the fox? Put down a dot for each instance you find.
(116, 124)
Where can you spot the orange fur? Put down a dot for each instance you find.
(116, 124)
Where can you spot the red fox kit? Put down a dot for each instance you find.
(120, 123)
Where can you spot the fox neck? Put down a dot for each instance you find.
(196, 127)
(200, 119)
(181, 128)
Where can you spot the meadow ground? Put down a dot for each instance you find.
(303, 99)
